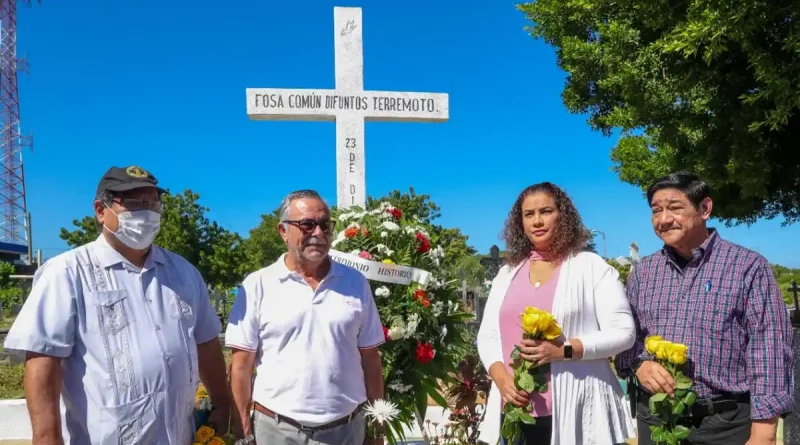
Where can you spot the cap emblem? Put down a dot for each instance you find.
(136, 172)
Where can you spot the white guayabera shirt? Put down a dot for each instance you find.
(127, 337)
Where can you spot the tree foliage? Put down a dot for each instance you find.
(709, 87)
(784, 276)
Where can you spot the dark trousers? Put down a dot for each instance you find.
(538, 434)
(731, 427)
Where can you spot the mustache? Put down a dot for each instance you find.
(315, 241)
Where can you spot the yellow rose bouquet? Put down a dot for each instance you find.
(672, 356)
(205, 434)
(536, 325)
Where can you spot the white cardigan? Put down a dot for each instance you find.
(589, 406)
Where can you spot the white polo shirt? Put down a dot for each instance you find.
(308, 365)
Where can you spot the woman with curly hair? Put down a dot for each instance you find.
(546, 268)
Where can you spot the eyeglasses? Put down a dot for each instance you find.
(309, 225)
(133, 204)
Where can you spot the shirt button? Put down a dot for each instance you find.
(158, 327)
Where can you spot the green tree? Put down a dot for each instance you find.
(709, 87)
(784, 276)
(624, 270)
(420, 206)
(265, 245)
(86, 230)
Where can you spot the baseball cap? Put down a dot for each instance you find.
(120, 179)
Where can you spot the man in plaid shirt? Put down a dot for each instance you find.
(723, 302)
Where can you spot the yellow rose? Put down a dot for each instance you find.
(216, 440)
(651, 343)
(663, 350)
(552, 332)
(530, 323)
(204, 433)
(677, 353)
(388, 261)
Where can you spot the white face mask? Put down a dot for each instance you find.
(138, 229)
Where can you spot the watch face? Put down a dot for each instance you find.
(567, 351)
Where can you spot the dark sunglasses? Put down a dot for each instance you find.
(309, 225)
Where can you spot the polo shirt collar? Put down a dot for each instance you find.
(284, 273)
(109, 257)
(698, 253)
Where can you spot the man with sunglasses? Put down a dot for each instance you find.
(121, 329)
(310, 329)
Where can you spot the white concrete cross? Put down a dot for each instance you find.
(349, 105)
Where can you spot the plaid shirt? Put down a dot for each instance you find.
(725, 305)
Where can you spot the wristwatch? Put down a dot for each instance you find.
(246, 441)
(567, 350)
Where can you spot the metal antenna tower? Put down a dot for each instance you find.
(14, 216)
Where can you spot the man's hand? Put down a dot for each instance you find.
(655, 378)
(220, 420)
(764, 432)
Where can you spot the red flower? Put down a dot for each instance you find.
(352, 232)
(425, 352)
(424, 243)
(420, 295)
(386, 333)
(365, 232)
(396, 213)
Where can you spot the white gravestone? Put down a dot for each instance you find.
(349, 105)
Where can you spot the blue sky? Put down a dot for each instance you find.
(162, 85)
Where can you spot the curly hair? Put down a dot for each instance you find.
(569, 238)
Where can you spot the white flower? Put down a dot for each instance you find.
(397, 332)
(390, 226)
(355, 252)
(451, 307)
(354, 225)
(382, 291)
(382, 411)
(400, 387)
(383, 249)
(411, 325)
(444, 333)
(339, 238)
(384, 234)
(437, 308)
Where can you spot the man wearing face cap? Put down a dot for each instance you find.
(122, 330)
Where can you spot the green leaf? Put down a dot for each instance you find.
(677, 408)
(658, 397)
(543, 388)
(683, 382)
(525, 382)
(658, 435)
(680, 432)
(690, 398)
(527, 418)
(435, 395)
(670, 438)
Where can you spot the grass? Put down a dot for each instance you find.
(6, 322)
(11, 382)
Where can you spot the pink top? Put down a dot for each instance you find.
(522, 293)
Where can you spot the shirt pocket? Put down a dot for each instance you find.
(720, 313)
(110, 323)
(109, 312)
(129, 423)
